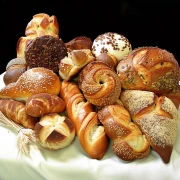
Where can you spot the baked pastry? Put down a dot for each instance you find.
(44, 103)
(14, 69)
(33, 81)
(80, 42)
(42, 24)
(45, 51)
(72, 64)
(149, 68)
(54, 131)
(128, 141)
(89, 130)
(113, 44)
(157, 117)
(16, 111)
(99, 83)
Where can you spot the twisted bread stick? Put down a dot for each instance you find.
(91, 134)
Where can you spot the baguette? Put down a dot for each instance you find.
(89, 130)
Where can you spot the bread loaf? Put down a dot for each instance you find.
(54, 131)
(44, 103)
(128, 142)
(33, 81)
(89, 130)
(16, 111)
(157, 117)
(149, 68)
(99, 83)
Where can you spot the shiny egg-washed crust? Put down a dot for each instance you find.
(128, 141)
(54, 131)
(99, 83)
(45, 51)
(149, 68)
(157, 117)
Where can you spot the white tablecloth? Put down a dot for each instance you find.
(73, 163)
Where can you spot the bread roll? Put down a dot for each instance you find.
(16, 111)
(99, 83)
(54, 131)
(45, 51)
(157, 117)
(44, 103)
(71, 65)
(14, 69)
(149, 68)
(128, 142)
(80, 42)
(33, 81)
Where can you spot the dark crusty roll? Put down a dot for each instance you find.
(45, 51)
(44, 103)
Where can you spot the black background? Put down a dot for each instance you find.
(143, 22)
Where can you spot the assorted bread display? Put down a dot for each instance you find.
(99, 90)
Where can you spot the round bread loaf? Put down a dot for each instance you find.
(149, 68)
(45, 51)
(99, 83)
(54, 131)
(111, 43)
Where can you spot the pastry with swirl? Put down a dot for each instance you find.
(99, 83)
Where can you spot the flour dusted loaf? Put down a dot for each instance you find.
(54, 131)
(33, 81)
(157, 117)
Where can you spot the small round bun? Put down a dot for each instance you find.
(45, 51)
(111, 43)
(99, 83)
(149, 68)
(14, 69)
(54, 131)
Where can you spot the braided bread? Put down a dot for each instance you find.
(16, 111)
(128, 142)
(157, 117)
(88, 129)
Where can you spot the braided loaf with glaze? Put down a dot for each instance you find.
(90, 132)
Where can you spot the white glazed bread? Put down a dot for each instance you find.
(54, 131)
(89, 130)
(157, 117)
(33, 81)
(128, 141)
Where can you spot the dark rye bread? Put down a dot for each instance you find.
(45, 51)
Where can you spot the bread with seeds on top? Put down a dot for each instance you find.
(157, 117)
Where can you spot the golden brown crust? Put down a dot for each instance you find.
(80, 42)
(16, 111)
(128, 141)
(33, 81)
(99, 83)
(44, 103)
(88, 129)
(157, 118)
(54, 131)
(72, 64)
(149, 68)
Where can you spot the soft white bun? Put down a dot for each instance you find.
(111, 43)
